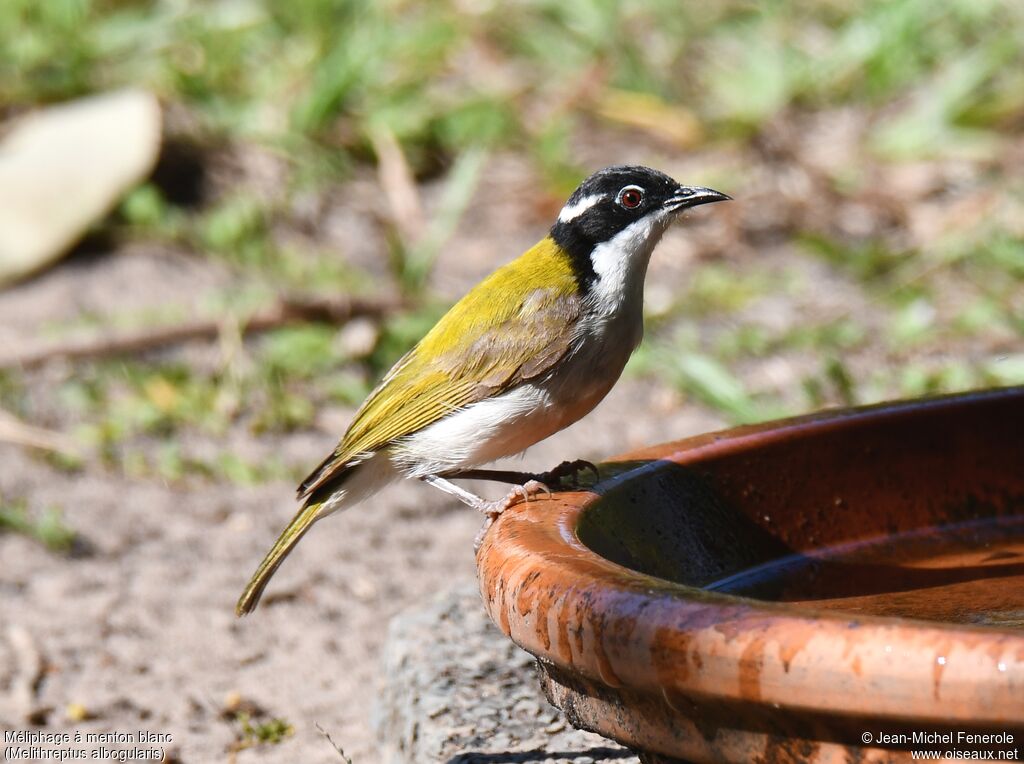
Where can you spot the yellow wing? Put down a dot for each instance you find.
(512, 327)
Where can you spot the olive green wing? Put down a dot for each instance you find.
(512, 327)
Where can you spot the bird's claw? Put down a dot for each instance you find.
(569, 470)
(479, 538)
(491, 509)
(538, 484)
(526, 491)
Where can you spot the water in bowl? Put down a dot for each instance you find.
(964, 573)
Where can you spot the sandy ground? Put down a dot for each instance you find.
(141, 632)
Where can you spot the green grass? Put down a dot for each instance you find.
(252, 731)
(46, 527)
(323, 74)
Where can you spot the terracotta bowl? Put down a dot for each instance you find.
(812, 590)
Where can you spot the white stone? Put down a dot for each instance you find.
(65, 167)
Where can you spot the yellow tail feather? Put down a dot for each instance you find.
(289, 537)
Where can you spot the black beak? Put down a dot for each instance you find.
(693, 196)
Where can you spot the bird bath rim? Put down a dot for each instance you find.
(608, 636)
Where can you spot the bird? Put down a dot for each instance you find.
(529, 350)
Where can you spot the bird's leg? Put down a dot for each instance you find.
(550, 478)
(491, 508)
(498, 476)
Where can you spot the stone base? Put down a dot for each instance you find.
(458, 691)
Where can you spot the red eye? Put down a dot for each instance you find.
(630, 197)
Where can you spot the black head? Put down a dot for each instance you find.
(615, 198)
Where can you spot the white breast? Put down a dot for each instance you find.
(480, 433)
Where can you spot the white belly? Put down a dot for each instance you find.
(512, 422)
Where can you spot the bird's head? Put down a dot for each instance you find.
(610, 224)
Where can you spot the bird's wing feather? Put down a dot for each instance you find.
(512, 327)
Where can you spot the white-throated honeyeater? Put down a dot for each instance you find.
(527, 352)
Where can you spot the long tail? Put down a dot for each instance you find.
(289, 537)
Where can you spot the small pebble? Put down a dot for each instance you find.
(77, 712)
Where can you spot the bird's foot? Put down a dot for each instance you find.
(491, 509)
(570, 470)
(526, 491)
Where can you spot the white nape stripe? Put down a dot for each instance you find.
(573, 211)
